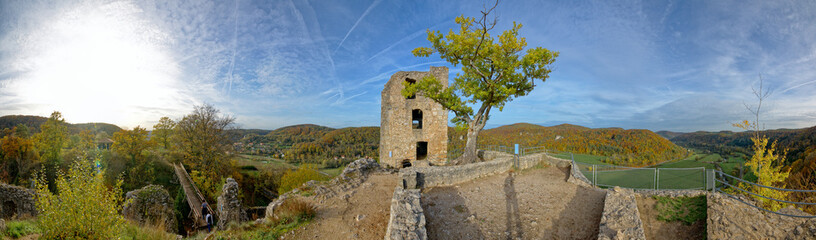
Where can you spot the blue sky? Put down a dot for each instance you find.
(659, 65)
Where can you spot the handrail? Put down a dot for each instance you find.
(760, 185)
(760, 208)
(755, 194)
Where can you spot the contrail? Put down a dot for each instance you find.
(234, 47)
(798, 86)
(403, 40)
(374, 4)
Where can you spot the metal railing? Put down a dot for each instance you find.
(723, 179)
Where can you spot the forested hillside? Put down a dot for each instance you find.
(798, 144)
(33, 123)
(317, 144)
(314, 144)
(634, 147)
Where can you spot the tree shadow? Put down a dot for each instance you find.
(513, 223)
(447, 215)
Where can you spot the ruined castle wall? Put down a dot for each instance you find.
(407, 220)
(398, 139)
(16, 201)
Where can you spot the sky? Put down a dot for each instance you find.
(658, 65)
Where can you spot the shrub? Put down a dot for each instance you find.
(132, 231)
(294, 210)
(16, 229)
(293, 179)
(83, 208)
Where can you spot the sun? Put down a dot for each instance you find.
(99, 63)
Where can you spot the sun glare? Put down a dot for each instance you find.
(100, 63)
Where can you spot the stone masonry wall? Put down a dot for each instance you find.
(620, 218)
(731, 219)
(422, 177)
(398, 140)
(16, 201)
(407, 219)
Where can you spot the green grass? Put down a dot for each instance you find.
(135, 232)
(687, 210)
(291, 215)
(260, 162)
(20, 228)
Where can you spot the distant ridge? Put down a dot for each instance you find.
(33, 123)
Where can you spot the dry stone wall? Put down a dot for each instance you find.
(398, 139)
(16, 201)
(407, 219)
(620, 218)
(731, 219)
(150, 205)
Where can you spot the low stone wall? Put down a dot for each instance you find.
(407, 217)
(731, 219)
(670, 193)
(492, 155)
(16, 201)
(422, 177)
(620, 219)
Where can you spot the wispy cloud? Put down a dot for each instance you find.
(370, 7)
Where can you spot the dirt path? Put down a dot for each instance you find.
(656, 229)
(359, 214)
(531, 204)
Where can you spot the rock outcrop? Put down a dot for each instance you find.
(620, 219)
(16, 201)
(229, 205)
(407, 217)
(731, 219)
(151, 205)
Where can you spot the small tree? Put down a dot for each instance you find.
(493, 73)
(49, 141)
(133, 144)
(82, 208)
(766, 163)
(293, 179)
(162, 132)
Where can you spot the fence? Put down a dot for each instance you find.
(728, 181)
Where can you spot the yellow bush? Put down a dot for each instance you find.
(83, 208)
(293, 179)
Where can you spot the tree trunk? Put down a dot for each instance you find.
(470, 154)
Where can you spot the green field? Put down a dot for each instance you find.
(672, 175)
(261, 162)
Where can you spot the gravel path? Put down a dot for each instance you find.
(531, 204)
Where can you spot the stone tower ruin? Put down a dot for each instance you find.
(412, 128)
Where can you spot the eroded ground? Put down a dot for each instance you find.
(361, 213)
(531, 204)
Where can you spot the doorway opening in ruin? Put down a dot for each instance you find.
(422, 150)
(411, 82)
(416, 119)
(9, 209)
(406, 163)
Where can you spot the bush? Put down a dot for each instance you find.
(83, 207)
(294, 210)
(16, 229)
(293, 179)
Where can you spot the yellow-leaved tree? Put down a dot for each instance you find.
(766, 163)
(82, 208)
